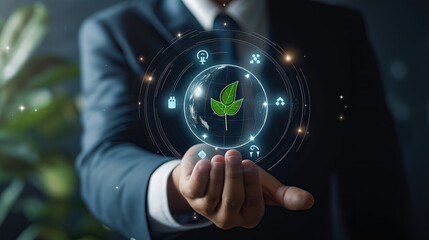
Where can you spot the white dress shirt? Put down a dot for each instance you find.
(251, 16)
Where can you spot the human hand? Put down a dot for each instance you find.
(231, 192)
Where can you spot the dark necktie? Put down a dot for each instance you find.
(225, 28)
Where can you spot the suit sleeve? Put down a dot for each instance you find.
(114, 167)
(372, 187)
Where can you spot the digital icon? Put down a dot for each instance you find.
(280, 101)
(255, 59)
(172, 103)
(202, 154)
(202, 55)
(254, 151)
(227, 105)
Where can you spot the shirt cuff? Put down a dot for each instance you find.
(160, 218)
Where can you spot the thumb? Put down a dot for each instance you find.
(277, 194)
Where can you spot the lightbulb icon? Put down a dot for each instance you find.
(202, 55)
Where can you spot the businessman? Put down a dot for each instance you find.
(350, 168)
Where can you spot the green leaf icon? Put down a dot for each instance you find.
(218, 107)
(228, 106)
(232, 109)
(227, 96)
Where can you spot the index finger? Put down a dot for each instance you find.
(276, 193)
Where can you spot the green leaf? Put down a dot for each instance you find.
(57, 176)
(29, 233)
(227, 96)
(232, 109)
(53, 116)
(39, 72)
(1, 24)
(9, 196)
(218, 107)
(17, 147)
(22, 33)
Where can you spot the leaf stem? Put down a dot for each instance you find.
(226, 123)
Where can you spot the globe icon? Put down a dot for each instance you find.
(225, 106)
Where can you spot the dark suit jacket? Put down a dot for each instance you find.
(353, 168)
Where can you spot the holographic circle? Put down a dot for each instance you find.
(225, 106)
(268, 128)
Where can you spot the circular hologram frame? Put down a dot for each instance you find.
(225, 106)
(193, 91)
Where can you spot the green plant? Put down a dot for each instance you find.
(227, 105)
(38, 116)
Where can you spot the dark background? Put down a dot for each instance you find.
(399, 31)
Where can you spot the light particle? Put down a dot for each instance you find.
(265, 104)
(341, 96)
(299, 130)
(117, 187)
(341, 117)
(35, 110)
(252, 138)
(204, 135)
(7, 48)
(288, 58)
(22, 108)
(225, 24)
(141, 59)
(179, 35)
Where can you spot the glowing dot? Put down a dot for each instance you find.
(132, 238)
(141, 59)
(22, 108)
(117, 187)
(252, 138)
(288, 58)
(150, 78)
(35, 110)
(265, 104)
(216, 148)
(247, 75)
(7, 48)
(179, 35)
(341, 96)
(299, 130)
(345, 106)
(205, 136)
(341, 117)
(225, 23)
(224, 5)
(140, 103)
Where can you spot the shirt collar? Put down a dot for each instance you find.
(250, 15)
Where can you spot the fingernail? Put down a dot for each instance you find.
(232, 159)
(218, 165)
(202, 167)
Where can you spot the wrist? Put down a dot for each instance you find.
(176, 202)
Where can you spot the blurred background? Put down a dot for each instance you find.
(39, 107)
